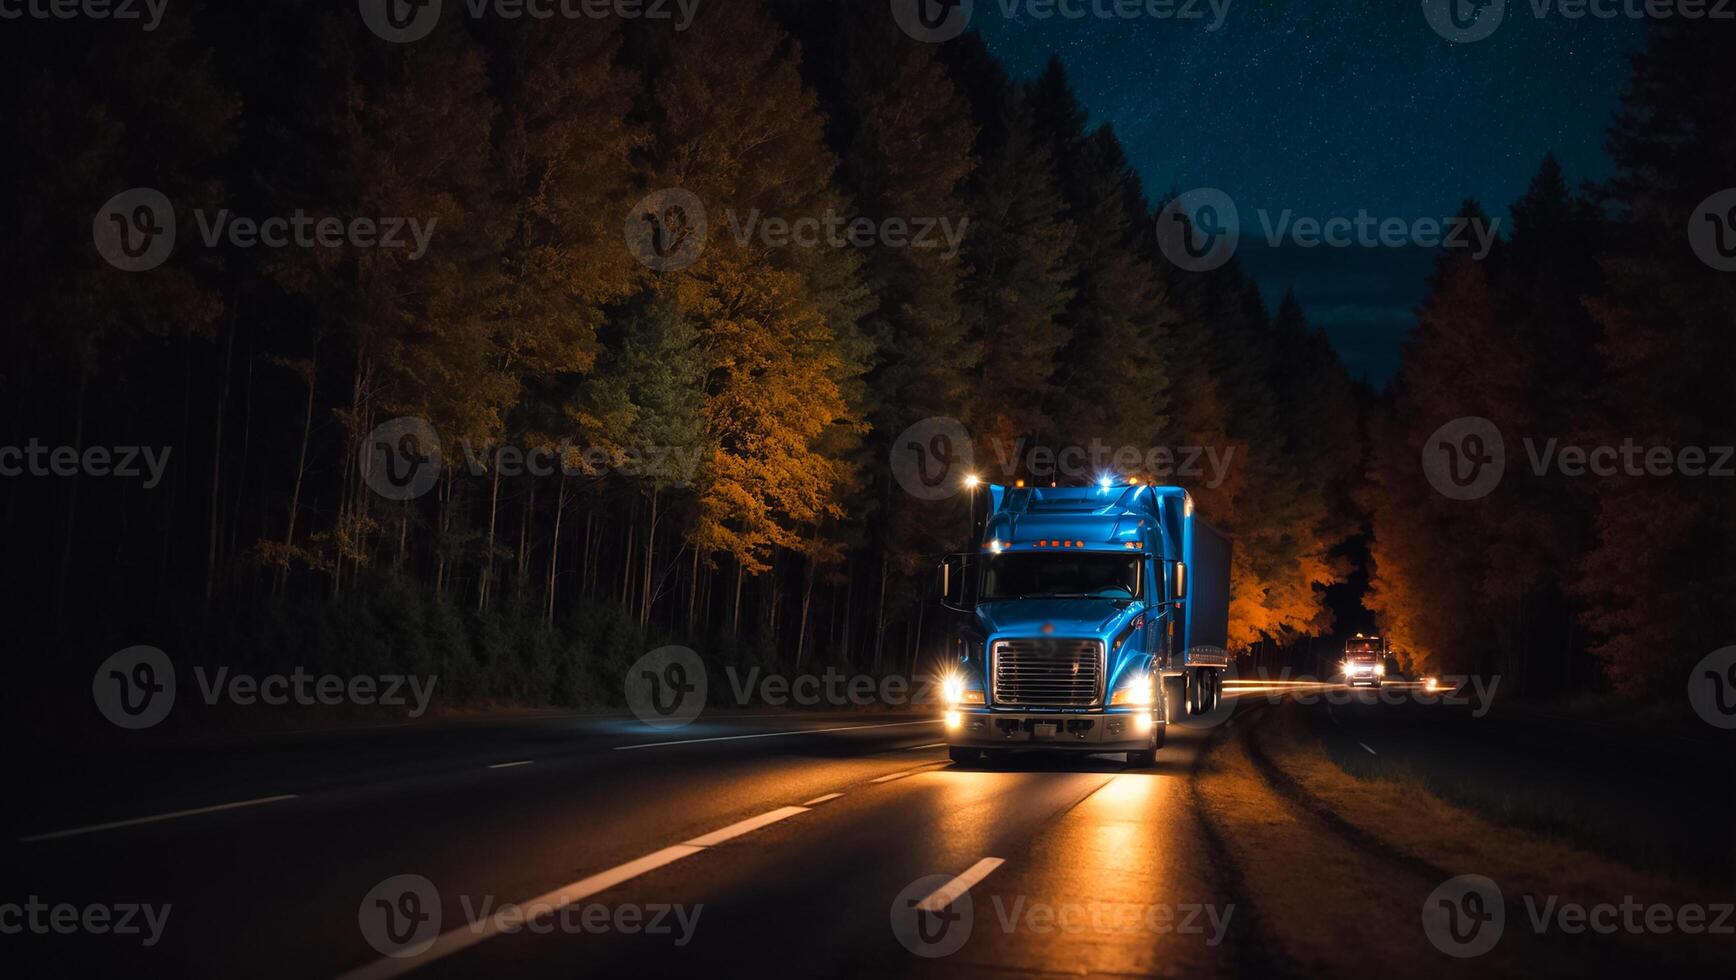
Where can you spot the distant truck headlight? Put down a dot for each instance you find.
(1380, 670)
(1141, 691)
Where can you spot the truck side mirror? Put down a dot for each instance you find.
(953, 570)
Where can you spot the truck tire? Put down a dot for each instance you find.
(1174, 699)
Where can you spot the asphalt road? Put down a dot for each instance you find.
(825, 845)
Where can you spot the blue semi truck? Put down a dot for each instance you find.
(1087, 619)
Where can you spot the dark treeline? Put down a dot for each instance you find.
(785, 372)
(1593, 324)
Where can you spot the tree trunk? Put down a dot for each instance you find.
(807, 601)
(735, 609)
(880, 618)
(627, 554)
(916, 645)
(238, 495)
(488, 552)
(650, 558)
(585, 577)
(692, 591)
(554, 551)
(300, 461)
(217, 459)
(443, 533)
(523, 557)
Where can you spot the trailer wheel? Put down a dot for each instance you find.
(1195, 692)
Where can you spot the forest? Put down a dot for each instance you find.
(521, 320)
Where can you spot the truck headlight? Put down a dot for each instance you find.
(952, 692)
(1139, 692)
(1380, 670)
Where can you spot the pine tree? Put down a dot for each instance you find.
(1655, 589)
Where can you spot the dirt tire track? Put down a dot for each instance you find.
(1254, 954)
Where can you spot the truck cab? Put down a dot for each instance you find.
(1087, 619)
(1364, 661)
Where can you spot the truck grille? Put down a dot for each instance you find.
(1050, 673)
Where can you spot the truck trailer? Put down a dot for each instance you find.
(1086, 619)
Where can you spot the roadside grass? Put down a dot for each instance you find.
(1528, 849)
(1333, 907)
(1547, 814)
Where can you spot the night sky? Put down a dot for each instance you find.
(1330, 107)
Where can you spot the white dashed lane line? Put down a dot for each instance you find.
(94, 828)
(465, 936)
(889, 777)
(950, 892)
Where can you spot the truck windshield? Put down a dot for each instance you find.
(1054, 576)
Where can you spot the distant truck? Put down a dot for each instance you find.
(1089, 619)
(1364, 661)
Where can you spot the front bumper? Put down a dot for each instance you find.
(1114, 730)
